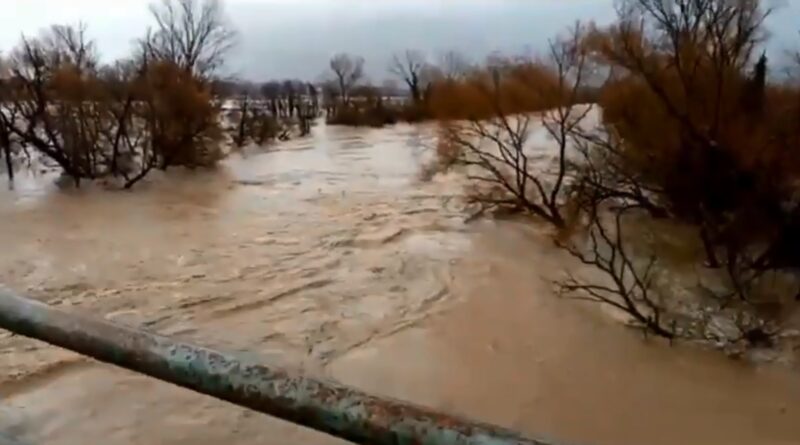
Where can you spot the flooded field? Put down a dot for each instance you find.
(329, 255)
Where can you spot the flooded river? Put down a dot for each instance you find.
(329, 255)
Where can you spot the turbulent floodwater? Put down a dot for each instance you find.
(328, 254)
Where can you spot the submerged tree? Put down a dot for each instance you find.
(628, 282)
(190, 41)
(495, 141)
(120, 120)
(49, 97)
(410, 67)
(348, 70)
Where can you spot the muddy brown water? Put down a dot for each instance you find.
(328, 255)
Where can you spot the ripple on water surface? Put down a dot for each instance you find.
(328, 254)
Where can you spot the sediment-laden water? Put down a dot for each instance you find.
(329, 254)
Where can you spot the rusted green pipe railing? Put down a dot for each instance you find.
(324, 406)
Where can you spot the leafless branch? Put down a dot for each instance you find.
(348, 71)
(193, 34)
(630, 287)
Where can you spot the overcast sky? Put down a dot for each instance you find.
(295, 38)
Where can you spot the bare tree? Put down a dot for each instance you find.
(497, 154)
(255, 124)
(81, 116)
(411, 67)
(122, 120)
(240, 134)
(331, 97)
(313, 93)
(348, 71)
(293, 93)
(271, 91)
(570, 61)
(192, 34)
(603, 172)
(454, 65)
(120, 123)
(628, 285)
(307, 107)
(71, 45)
(49, 100)
(498, 149)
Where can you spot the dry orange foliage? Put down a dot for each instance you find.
(699, 120)
(184, 120)
(514, 87)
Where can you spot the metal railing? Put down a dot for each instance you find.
(324, 406)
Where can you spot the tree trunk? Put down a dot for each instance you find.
(6, 142)
(242, 125)
(145, 170)
(416, 95)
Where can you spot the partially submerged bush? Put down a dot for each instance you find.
(184, 122)
(364, 115)
(154, 110)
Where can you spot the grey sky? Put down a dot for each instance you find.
(295, 38)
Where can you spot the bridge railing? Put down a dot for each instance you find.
(325, 406)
